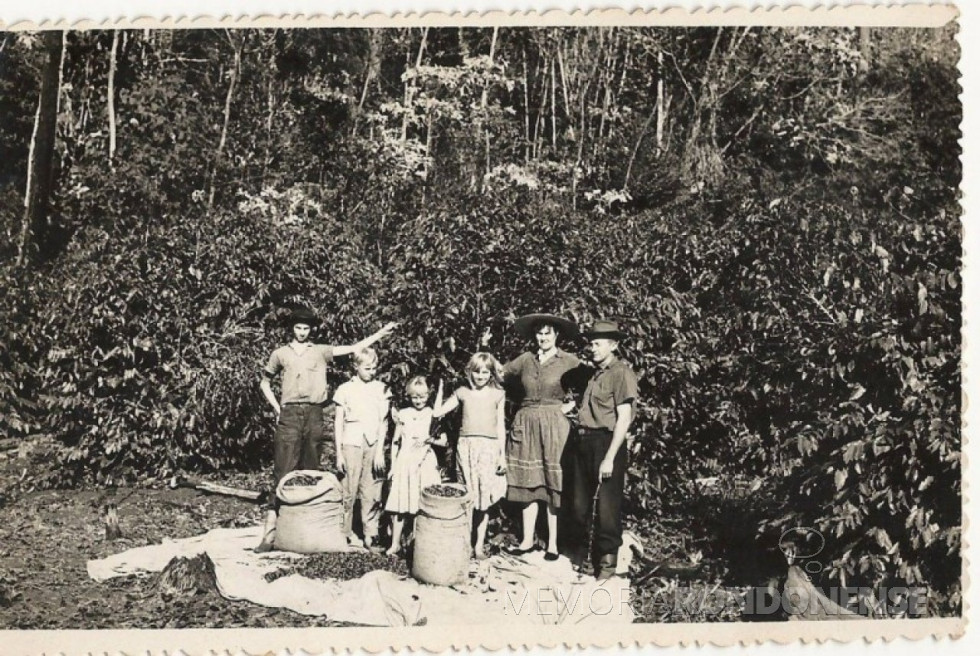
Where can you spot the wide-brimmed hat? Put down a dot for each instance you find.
(303, 315)
(527, 325)
(605, 329)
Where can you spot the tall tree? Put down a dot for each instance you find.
(233, 75)
(111, 95)
(41, 156)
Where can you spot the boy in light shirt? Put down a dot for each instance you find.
(360, 428)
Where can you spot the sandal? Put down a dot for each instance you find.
(550, 556)
(517, 551)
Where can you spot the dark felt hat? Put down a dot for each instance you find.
(303, 315)
(527, 325)
(605, 329)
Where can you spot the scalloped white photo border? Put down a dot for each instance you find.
(866, 636)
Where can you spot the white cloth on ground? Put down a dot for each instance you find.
(501, 589)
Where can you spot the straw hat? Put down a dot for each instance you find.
(529, 324)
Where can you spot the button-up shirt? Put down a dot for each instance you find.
(365, 407)
(304, 371)
(541, 383)
(609, 387)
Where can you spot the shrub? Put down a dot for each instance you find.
(158, 337)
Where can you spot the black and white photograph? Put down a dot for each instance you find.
(475, 324)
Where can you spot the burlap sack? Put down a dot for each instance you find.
(311, 517)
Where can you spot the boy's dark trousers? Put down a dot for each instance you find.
(584, 451)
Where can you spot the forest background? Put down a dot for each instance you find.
(772, 213)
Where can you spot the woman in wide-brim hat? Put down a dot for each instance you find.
(540, 428)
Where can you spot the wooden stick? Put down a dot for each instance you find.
(112, 530)
(215, 488)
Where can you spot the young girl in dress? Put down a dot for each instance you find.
(480, 451)
(414, 465)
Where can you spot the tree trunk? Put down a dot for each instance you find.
(111, 96)
(410, 86)
(639, 140)
(373, 67)
(232, 81)
(41, 155)
(564, 88)
(483, 108)
(539, 119)
(583, 114)
(660, 103)
(554, 118)
(698, 161)
(425, 162)
(493, 47)
(606, 88)
(609, 95)
(864, 38)
(270, 106)
(428, 147)
(527, 112)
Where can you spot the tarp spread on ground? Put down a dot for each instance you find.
(524, 589)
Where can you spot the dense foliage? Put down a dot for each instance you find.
(771, 212)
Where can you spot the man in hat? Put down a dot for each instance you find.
(299, 412)
(594, 465)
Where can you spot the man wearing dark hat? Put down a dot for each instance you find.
(594, 466)
(299, 430)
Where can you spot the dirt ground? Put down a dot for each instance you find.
(46, 538)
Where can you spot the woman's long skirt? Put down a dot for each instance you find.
(534, 447)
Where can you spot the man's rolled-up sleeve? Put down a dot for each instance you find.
(273, 366)
(625, 388)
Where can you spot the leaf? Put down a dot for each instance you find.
(922, 295)
(854, 451)
(826, 276)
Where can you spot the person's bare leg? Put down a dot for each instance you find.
(397, 522)
(552, 529)
(529, 519)
(481, 534)
(268, 532)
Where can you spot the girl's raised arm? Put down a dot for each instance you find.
(438, 401)
(443, 408)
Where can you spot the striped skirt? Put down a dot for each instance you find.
(534, 447)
